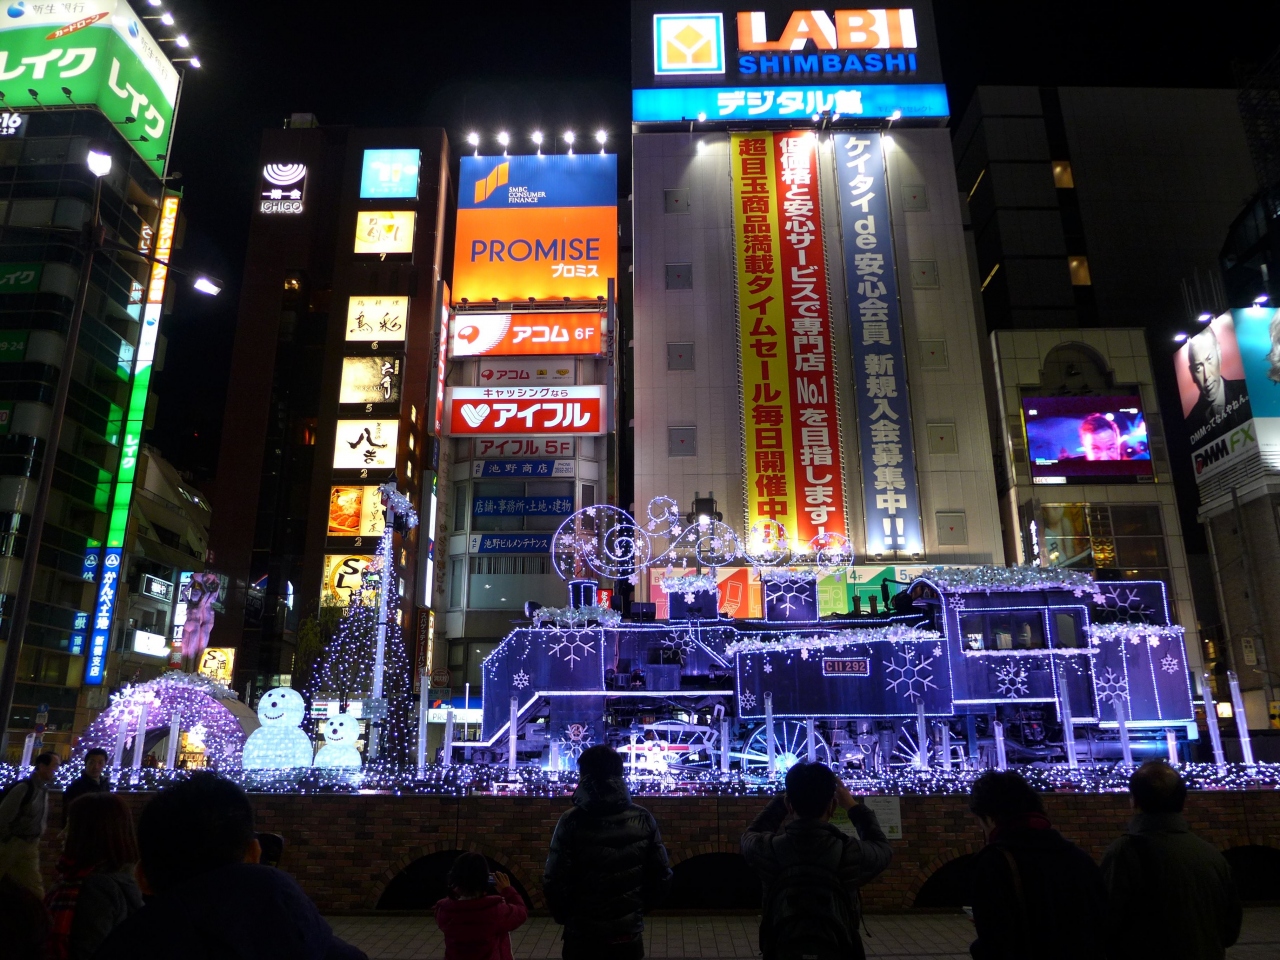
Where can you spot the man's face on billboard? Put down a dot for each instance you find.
(1102, 445)
(1205, 363)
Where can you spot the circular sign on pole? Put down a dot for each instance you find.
(440, 677)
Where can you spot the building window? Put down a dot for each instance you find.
(1079, 267)
(679, 356)
(459, 507)
(682, 441)
(457, 581)
(679, 276)
(675, 200)
(1062, 178)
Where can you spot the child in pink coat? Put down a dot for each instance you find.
(477, 922)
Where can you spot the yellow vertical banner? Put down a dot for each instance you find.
(767, 427)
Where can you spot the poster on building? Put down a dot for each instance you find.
(526, 334)
(1258, 336)
(536, 227)
(890, 490)
(481, 411)
(374, 319)
(518, 372)
(370, 380)
(365, 444)
(1215, 399)
(343, 575)
(790, 415)
(384, 231)
(356, 512)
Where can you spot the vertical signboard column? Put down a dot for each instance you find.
(122, 496)
(791, 433)
(890, 492)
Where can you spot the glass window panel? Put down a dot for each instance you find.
(1140, 552)
(1138, 520)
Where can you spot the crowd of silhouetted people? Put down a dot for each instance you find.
(192, 880)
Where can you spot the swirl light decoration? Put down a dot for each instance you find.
(284, 174)
(603, 540)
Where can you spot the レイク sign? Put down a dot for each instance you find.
(481, 411)
(890, 492)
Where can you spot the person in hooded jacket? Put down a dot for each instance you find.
(607, 865)
(477, 922)
(208, 897)
(95, 891)
(1036, 895)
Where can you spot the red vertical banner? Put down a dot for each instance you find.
(815, 429)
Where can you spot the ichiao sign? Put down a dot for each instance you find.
(541, 228)
(283, 188)
(778, 62)
(791, 421)
(480, 411)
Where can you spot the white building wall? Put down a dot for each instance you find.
(708, 397)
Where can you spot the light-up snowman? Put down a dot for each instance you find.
(278, 744)
(339, 748)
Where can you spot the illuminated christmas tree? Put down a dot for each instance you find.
(344, 671)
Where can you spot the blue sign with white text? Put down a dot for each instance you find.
(564, 180)
(890, 491)
(390, 174)
(799, 103)
(511, 543)
(95, 667)
(522, 506)
(523, 468)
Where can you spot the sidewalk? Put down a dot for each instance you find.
(929, 936)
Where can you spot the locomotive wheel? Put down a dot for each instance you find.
(790, 747)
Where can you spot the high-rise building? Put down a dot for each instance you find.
(804, 346)
(332, 384)
(1094, 217)
(79, 75)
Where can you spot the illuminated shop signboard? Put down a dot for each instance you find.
(482, 411)
(370, 380)
(390, 174)
(283, 188)
(526, 334)
(777, 62)
(374, 319)
(356, 512)
(365, 444)
(540, 227)
(91, 52)
(385, 231)
(343, 575)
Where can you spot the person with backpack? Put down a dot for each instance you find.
(1172, 894)
(95, 891)
(607, 865)
(1036, 895)
(480, 912)
(24, 813)
(811, 869)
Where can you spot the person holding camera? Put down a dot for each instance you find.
(811, 869)
(480, 912)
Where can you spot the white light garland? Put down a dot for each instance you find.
(576, 616)
(838, 640)
(988, 578)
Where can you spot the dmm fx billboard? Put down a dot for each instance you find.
(790, 417)
(1229, 380)
(890, 491)
(541, 227)
(773, 61)
(91, 52)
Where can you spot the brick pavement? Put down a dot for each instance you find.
(927, 936)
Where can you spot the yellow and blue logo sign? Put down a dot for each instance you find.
(686, 43)
(486, 185)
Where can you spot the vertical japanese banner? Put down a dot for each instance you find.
(767, 427)
(890, 492)
(819, 486)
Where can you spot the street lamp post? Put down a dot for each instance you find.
(99, 163)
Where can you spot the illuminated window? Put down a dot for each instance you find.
(1062, 178)
(413, 416)
(408, 469)
(292, 283)
(411, 441)
(308, 432)
(1079, 271)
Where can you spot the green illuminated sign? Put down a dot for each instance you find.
(20, 277)
(13, 345)
(101, 55)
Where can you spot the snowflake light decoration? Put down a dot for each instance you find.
(1011, 680)
(787, 592)
(1169, 664)
(1126, 604)
(912, 672)
(768, 667)
(571, 647)
(520, 680)
(682, 643)
(1110, 686)
(747, 699)
(577, 737)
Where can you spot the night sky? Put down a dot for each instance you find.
(489, 66)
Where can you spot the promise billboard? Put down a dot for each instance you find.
(540, 227)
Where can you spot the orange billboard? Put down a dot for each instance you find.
(542, 228)
(526, 334)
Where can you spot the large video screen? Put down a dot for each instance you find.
(1086, 439)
